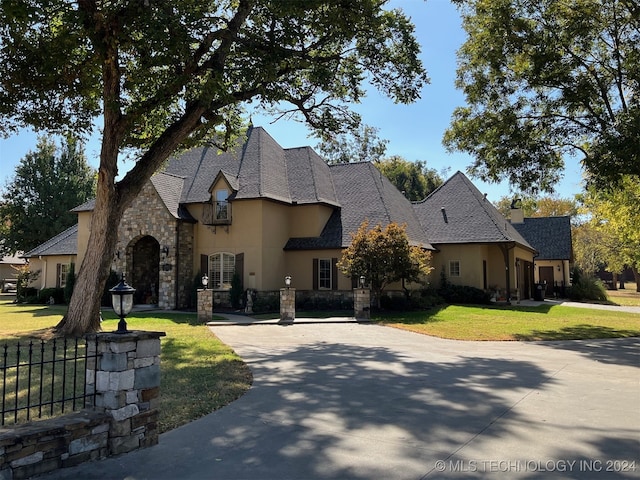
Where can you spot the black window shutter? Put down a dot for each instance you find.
(204, 265)
(354, 281)
(240, 267)
(315, 274)
(334, 274)
(58, 269)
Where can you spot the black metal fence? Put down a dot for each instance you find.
(46, 379)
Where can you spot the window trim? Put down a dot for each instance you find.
(321, 271)
(454, 268)
(222, 285)
(219, 204)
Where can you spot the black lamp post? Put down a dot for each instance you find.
(122, 302)
(362, 280)
(287, 281)
(205, 281)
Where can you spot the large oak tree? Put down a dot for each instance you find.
(546, 79)
(168, 75)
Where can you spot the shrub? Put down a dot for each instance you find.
(425, 298)
(236, 292)
(394, 302)
(266, 304)
(463, 294)
(46, 294)
(71, 282)
(587, 288)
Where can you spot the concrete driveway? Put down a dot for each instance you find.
(357, 401)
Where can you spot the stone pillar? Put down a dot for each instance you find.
(126, 382)
(287, 304)
(205, 305)
(362, 303)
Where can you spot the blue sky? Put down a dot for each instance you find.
(413, 131)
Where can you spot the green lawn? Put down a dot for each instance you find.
(199, 373)
(544, 322)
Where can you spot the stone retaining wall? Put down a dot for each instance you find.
(126, 380)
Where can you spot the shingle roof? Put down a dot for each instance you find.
(169, 188)
(551, 236)
(456, 212)
(260, 168)
(364, 194)
(65, 243)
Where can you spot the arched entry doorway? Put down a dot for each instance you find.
(145, 270)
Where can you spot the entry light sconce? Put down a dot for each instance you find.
(165, 251)
(122, 302)
(558, 267)
(205, 281)
(287, 281)
(362, 280)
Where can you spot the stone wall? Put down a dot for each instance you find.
(126, 381)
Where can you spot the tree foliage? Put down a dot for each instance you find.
(47, 184)
(384, 256)
(546, 206)
(360, 145)
(547, 79)
(615, 214)
(415, 179)
(168, 75)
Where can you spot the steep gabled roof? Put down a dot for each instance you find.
(169, 188)
(456, 212)
(364, 194)
(260, 168)
(65, 243)
(550, 236)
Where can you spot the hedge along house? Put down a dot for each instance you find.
(476, 246)
(260, 211)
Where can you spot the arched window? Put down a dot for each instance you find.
(221, 268)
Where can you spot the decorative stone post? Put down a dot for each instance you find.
(205, 305)
(126, 382)
(362, 303)
(287, 304)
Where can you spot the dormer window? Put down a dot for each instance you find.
(221, 207)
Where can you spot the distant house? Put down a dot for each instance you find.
(53, 259)
(551, 237)
(8, 272)
(261, 212)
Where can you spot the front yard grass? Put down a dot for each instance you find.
(544, 322)
(199, 374)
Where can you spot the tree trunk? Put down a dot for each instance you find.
(636, 275)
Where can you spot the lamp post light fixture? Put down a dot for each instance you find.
(287, 281)
(205, 281)
(362, 280)
(122, 302)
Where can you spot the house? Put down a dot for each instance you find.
(476, 245)
(551, 237)
(8, 271)
(262, 212)
(53, 259)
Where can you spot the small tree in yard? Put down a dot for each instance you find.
(384, 256)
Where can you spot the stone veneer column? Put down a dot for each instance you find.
(287, 304)
(205, 305)
(362, 303)
(126, 381)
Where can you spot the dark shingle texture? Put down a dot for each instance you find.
(258, 169)
(65, 243)
(550, 236)
(364, 194)
(456, 212)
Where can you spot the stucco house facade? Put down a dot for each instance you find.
(263, 212)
